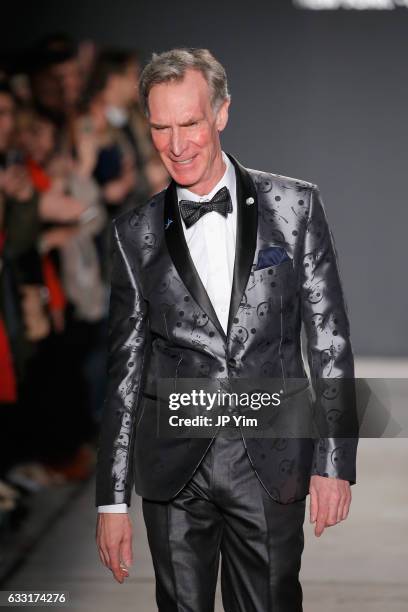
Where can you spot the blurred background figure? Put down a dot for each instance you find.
(75, 151)
(128, 168)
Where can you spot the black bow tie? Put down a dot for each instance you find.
(193, 211)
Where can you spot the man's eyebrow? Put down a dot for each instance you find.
(188, 121)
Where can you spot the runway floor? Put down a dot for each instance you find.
(359, 565)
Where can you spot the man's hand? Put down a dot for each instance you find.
(87, 151)
(37, 325)
(330, 500)
(16, 183)
(56, 237)
(59, 208)
(114, 541)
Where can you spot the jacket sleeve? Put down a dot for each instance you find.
(127, 349)
(329, 351)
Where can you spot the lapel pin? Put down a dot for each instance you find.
(249, 201)
(168, 222)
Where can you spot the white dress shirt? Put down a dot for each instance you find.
(211, 242)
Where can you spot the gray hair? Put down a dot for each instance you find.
(172, 65)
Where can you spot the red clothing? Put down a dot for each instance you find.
(8, 383)
(40, 179)
(57, 301)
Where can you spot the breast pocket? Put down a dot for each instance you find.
(277, 282)
(274, 272)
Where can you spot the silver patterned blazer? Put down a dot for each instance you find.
(162, 325)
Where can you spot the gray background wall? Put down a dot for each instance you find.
(322, 96)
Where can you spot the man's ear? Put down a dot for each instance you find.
(222, 115)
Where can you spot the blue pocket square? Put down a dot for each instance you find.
(271, 256)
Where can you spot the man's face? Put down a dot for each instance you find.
(42, 142)
(47, 89)
(185, 130)
(7, 120)
(69, 77)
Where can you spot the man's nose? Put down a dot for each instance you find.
(177, 142)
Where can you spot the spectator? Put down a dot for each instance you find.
(75, 148)
(114, 83)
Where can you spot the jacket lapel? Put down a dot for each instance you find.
(245, 245)
(246, 237)
(180, 254)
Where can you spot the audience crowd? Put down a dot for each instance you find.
(75, 151)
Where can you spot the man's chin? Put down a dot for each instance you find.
(184, 179)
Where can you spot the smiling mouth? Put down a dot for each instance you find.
(183, 161)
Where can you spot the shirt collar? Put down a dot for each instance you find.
(227, 180)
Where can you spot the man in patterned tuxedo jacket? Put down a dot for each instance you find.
(214, 277)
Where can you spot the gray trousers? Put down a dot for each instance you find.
(225, 511)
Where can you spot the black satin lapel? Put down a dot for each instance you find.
(180, 254)
(245, 244)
